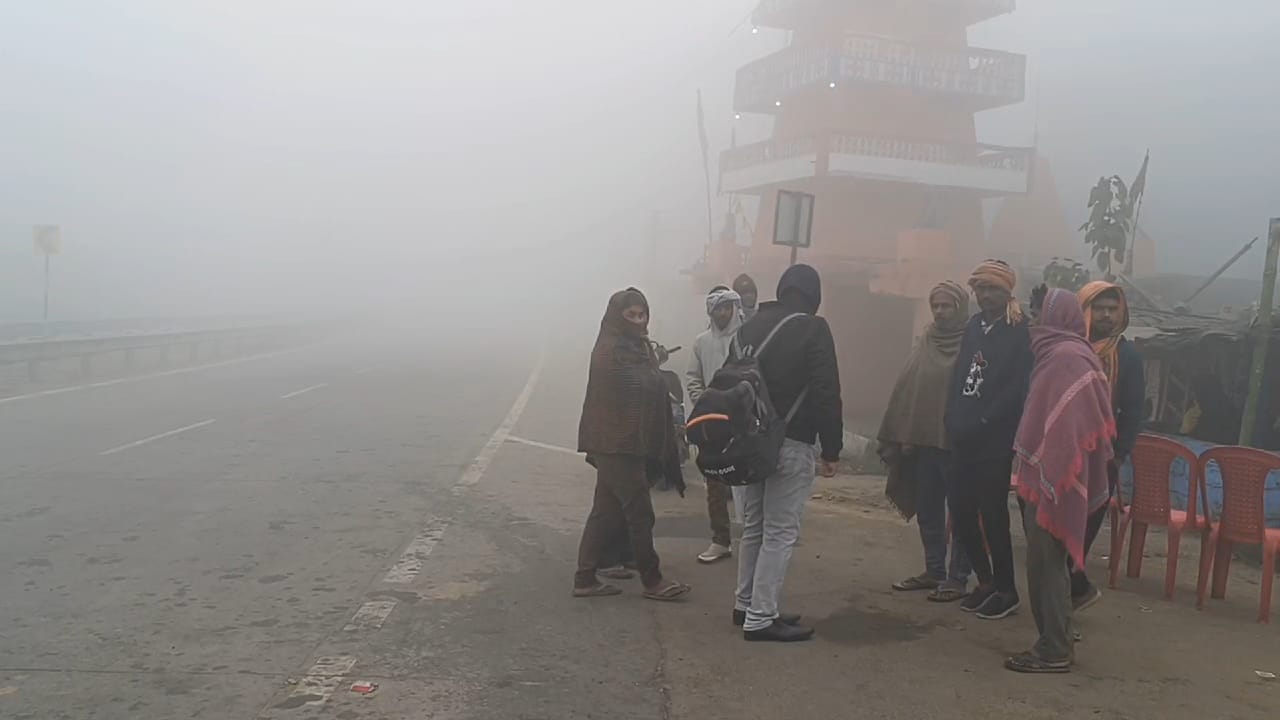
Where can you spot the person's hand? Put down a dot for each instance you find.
(826, 468)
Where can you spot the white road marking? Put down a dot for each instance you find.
(366, 371)
(161, 436)
(481, 463)
(323, 679)
(413, 557)
(140, 378)
(296, 393)
(371, 615)
(544, 446)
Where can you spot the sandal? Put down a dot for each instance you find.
(668, 592)
(1028, 662)
(616, 572)
(916, 582)
(947, 595)
(597, 590)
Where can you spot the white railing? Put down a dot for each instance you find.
(994, 157)
(988, 77)
(766, 152)
(976, 9)
(977, 166)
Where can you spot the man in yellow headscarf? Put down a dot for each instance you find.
(1106, 314)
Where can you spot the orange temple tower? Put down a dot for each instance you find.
(873, 104)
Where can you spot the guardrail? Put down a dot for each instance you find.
(36, 353)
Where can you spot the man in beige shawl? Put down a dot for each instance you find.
(914, 445)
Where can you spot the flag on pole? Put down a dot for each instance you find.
(702, 132)
(1139, 183)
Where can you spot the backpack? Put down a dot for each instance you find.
(737, 430)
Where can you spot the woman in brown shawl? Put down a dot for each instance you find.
(626, 428)
(913, 444)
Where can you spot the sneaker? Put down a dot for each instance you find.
(714, 553)
(779, 632)
(740, 618)
(999, 605)
(1087, 600)
(977, 598)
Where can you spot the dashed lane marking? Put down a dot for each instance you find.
(320, 682)
(411, 560)
(304, 390)
(161, 436)
(371, 615)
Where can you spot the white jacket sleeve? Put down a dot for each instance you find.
(695, 383)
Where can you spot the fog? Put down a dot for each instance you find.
(315, 155)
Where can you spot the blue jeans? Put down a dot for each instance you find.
(933, 488)
(771, 514)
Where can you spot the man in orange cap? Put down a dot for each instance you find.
(984, 407)
(1106, 314)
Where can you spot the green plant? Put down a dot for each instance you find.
(1108, 226)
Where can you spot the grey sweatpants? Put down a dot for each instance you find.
(771, 513)
(1049, 584)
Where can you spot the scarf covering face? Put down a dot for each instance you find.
(626, 410)
(998, 273)
(919, 400)
(1063, 444)
(1107, 348)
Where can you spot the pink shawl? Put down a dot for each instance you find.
(1063, 444)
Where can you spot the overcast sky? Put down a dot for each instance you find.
(204, 155)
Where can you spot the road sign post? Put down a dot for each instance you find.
(47, 240)
(793, 221)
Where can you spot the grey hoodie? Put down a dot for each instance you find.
(711, 348)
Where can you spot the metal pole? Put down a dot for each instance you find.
(1225, 266)
(46, 294)
(1261, 334)
(795, 251)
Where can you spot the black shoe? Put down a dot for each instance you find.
(977, 598)
(1086, 600)
(740, 618)
(778, 632)
(1000, 605)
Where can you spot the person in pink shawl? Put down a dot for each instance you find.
(1061, 452)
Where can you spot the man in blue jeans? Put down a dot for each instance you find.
(799, 368)
(915, 447)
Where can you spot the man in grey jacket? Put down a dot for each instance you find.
(710, 350)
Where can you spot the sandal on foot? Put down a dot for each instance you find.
(616, 572)
(668, 592)
(917, 582)
(946, 595)
(598, 590)
(1034, 664)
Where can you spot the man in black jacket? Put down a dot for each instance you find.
(984, 406)
(1106, 313)
(800, 371)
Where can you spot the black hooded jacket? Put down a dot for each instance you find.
(802, 354)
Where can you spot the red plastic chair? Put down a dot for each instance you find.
(1153, 457)
(1244, 480)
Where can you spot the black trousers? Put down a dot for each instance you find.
(980, 513)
